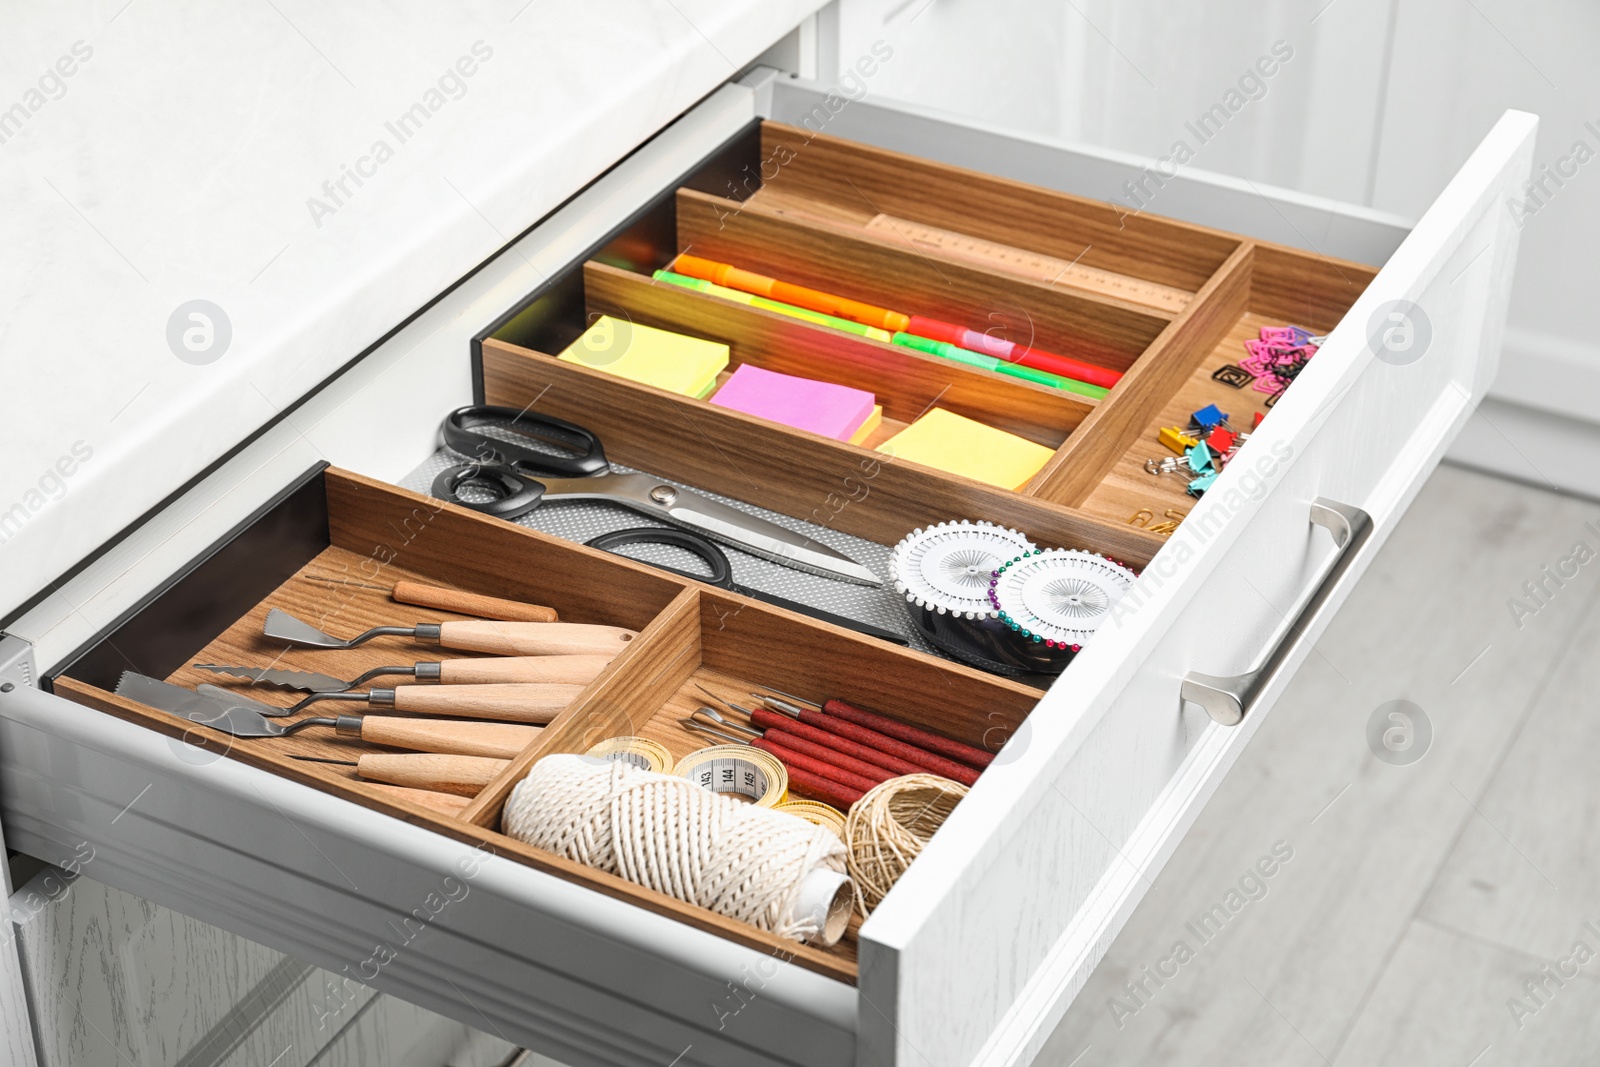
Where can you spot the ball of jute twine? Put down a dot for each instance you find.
(668, 834)
(887, 829)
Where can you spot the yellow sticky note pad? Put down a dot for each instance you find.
(873, 422)
(666, 360)
(948, 442)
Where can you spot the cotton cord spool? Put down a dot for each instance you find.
(887, 829)
(772, 870)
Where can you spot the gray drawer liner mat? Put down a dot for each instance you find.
(581, 520)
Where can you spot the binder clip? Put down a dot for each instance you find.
(1176, 439)
(1201, 484)
(1207, 417)
(1221, 440)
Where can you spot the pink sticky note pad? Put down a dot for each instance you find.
(835, 411)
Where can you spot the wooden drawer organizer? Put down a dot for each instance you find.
(1165, 302)
(689, 635)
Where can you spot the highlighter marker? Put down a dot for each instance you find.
(799, 295)
(700, 285)
(1012, 352)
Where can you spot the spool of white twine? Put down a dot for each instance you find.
(764, 867)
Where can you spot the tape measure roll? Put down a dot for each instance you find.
(640, 752)
(737, 770)
(816, 813)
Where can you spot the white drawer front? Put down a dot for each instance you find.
(981, 947)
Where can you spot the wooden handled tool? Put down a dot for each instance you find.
(563, 669)
(498, 739)
(535, 638)
(434, 596)
(461, 775)
(444, 803)
(484, 607)
(537, 703)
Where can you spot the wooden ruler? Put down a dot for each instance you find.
(1032, 265)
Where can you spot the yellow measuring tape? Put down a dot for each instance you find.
(640, 752)
(738, 770)
(816, 813)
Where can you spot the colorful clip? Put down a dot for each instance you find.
(1202, 483)
(1176, 439)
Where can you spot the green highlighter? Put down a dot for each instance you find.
(946, 350)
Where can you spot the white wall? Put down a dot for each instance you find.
(1381, 102)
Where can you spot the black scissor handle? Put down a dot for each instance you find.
(511, 495)
(721, 570)
(584, 457)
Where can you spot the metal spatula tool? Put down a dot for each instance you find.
(572, 670)
(230, 716)
(503, 638)
(238, 717)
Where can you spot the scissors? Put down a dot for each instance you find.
(572, 465)
(721, 574)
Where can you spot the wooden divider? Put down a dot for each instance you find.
(789, 471)
(644, 676)
(1105, 436)
(892, 274)
(846, 180)
(906, 382)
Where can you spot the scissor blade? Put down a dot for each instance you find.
(766, 539)
(683, 507)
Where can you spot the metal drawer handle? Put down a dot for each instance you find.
(1229, 700)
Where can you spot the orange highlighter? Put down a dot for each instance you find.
(771, 288)
(732, 277)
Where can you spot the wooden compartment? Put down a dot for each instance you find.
(733, 646)
(1069, 242)
(818, 219)
(1275, 287)
(356, 530)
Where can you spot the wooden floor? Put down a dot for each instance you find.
(1419, 898)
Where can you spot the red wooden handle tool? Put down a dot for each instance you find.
(912, 735)
(762, 719)
(832, 756)
(790, 758)
(925, 761)
(803, 783)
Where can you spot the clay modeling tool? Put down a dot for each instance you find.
(433, 596)
(1058, 597)
(923, 759)
(462, 775)
(566, 670)
(784, 738)
(893, 321)
(242, 720)
(721, 574)
(502, 638)
(512, 703)
(911, 735)
(802, 779)
(517, 477)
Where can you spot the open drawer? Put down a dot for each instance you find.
(985, 940)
